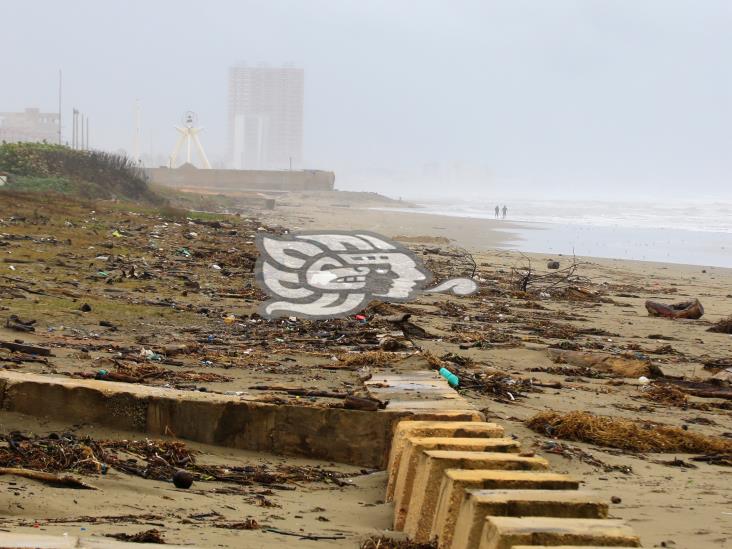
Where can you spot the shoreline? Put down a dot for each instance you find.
(478, 235)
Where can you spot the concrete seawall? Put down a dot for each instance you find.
(189, 177)
(335, 434)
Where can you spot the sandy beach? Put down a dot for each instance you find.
(501, 336)
(668, 506)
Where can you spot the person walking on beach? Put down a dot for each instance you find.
(505, 209)
(497, 211)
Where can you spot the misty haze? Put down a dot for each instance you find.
(382, 275)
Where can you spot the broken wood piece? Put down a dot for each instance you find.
(365, 404)
(23, 348)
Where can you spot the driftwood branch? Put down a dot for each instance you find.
(64, 481)
(526, 279)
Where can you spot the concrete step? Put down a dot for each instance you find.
(415, 516)
(416, 445)
(462, 525)
(508, 532)
(460, 429)
(455, 482)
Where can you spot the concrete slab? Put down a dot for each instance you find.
(462, 524)
(508, 532)
(459, 429)
(414, 446)
(416, 390)
(456, 482)
(416, 515)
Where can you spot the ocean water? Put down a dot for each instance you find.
(688, 233)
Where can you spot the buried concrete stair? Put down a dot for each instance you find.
(464, 494)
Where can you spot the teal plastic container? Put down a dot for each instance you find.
(451, 378)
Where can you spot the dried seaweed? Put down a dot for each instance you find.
(631, 435)
(370, 358)
(664, 393)
(382, 542)
(148, 536)
(723, 326)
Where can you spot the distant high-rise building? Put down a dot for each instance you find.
(29, 125)
(265, 117)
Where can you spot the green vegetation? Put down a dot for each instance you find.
(88, 174)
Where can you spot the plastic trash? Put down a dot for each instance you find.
(452, 379)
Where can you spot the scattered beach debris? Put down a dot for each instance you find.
(150, 373)
(619, 365)
(719, 363)
(147, 536)
(182, 479)
(149, 459)
(716, 459)
(723, 326)
(383, 542)
(688, 309)
(573, 452)
(14, 322)
(526, 279)
(664, 393)
(247, 524)
(302, 535)
(499, 385)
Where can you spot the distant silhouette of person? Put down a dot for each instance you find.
(497, 211)
(504, 211)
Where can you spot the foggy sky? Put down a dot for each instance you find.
(589, 98)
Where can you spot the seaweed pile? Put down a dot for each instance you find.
(149, 459)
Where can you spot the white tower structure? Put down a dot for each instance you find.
(189, 135)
